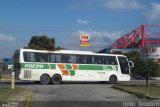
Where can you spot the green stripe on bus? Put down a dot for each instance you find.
(116, 68)
(99, 67)
(107, 68)
(90, 67)
(37, 66)
(68, 66)
(72, 72)
(110, 67)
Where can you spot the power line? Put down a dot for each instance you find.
(65, 28)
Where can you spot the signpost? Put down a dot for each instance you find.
(84, 41)
(13, 81)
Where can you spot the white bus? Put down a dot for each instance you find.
(70, 65)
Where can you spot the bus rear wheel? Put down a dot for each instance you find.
(56, 79)
(45, 79)
(112, 79)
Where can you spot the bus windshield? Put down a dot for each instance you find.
(123, 65)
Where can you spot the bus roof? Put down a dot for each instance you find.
(70, 52)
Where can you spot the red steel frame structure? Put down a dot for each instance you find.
(129, 40)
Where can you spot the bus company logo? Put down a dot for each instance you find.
(110, 68)
(38, 66)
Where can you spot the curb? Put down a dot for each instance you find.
(28, 99)
(5, 79)
(2, 78)
(138, 94)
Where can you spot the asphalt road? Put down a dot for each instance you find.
(73, 94)
(76, 94)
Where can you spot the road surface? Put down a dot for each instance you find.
(77, 92)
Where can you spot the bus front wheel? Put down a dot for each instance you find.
(56, 79)
(45, 79)
(112, 79)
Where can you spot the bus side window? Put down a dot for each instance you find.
(98, 60)
(112, 60)
(52, 58)
(65, 58)
(106, 60)
(31, 57)
(25, 55)
(89, 59)
(73, 59)
(58, 58)
(41, 57)
(37, 57)
(84, 60)
(44, 57)
(80, 59)
(101, 61)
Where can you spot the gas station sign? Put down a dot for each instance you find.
(85, 40)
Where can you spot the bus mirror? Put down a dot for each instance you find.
(131, 64)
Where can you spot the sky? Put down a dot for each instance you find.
(65, 20)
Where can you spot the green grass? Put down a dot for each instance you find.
(150, 92)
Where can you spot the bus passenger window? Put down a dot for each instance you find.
(110, 60)
(52, 58)
(65, 58)
(105, 61)
(26, 56)
(41, 57)
(98, 60)
(73, 59)
(58, 58)
(82, 59)
(31, 57)
(89, 59)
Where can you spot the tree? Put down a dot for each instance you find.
(143, 67)
(41, 43)
(60, 48)
(117, 52)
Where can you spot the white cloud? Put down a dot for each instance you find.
(99, 39)
(82, 21)
(6, 38)
(122, 5)
(154, 13)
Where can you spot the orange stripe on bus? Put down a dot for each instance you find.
(61, 66)
(74, 67)
(65, 72)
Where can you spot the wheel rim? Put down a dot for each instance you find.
(45, 80)
(112, 80)
(56, 79)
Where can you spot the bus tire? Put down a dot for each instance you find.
(45, 79)
(112, 79)
(56, 79)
